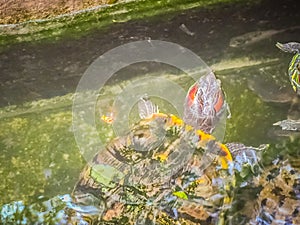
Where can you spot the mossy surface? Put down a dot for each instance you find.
(78, 24)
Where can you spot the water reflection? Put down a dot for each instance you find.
(36, 136)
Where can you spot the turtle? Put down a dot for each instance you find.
(187, 188)
(269, 91)
(196, 190)
(165, 164)
(294, 77)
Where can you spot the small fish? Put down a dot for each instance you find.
(47, 173)
(256, 36)
(107, 119)
(186, 30)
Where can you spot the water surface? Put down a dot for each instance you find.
(39, 152)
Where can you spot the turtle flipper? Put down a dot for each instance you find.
(290, 47)
(146, 107)
(293, 125)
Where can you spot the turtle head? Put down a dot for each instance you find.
(204, 103)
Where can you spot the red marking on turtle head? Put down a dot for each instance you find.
(220, 102)
(192, 94)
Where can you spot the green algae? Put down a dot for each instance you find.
(39, 155)
(78, 24)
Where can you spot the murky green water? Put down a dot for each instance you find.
(39, 155)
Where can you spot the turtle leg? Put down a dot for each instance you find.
(209, 143)
(291, 47)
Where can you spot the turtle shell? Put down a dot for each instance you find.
(155, 172)
(294, 72)
(164, 169)
(278, 200)
(272, 194)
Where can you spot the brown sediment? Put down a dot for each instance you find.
(17, 11)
